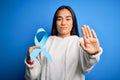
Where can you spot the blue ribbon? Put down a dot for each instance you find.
(36, 51)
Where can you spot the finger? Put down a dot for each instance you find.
(93, 34)
(82, 45)
(89, 31)
(35, 47)
(86, 31)
(32, 48)
(83, 32)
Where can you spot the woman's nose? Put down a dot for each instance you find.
(63, 22)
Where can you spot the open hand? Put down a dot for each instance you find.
(90, 41)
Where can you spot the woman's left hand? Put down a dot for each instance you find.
(91, 43)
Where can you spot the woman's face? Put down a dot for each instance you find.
(64, 23)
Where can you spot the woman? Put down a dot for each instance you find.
(71, 56)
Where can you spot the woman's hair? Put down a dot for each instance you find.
(74, 30)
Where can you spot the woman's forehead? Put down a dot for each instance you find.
(64, 12)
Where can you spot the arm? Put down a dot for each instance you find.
(87, 61)
(90, 48)
(32, 70)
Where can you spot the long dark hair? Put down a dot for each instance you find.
(74, 30)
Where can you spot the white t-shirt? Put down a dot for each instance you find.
(69, 61)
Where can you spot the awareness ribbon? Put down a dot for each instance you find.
(36, 51)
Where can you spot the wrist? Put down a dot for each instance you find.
(98, 51)
(30, 62)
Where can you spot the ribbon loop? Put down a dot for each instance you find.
(36, 51)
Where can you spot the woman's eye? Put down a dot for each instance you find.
(68, 19)
(58, 19)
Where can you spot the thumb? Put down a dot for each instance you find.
(82, 45)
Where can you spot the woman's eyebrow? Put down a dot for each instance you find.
(59, 16)
(66, 16)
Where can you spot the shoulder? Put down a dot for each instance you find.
(77, 37)
(51, 37)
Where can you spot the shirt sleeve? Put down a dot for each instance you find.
(88, 61)
(33, 71)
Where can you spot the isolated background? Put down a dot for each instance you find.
(19, 20)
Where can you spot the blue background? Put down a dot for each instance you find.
(19, 20)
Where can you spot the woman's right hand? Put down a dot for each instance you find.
(30, 51)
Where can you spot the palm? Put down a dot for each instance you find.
(91, 43)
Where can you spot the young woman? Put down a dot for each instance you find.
(72, 56)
